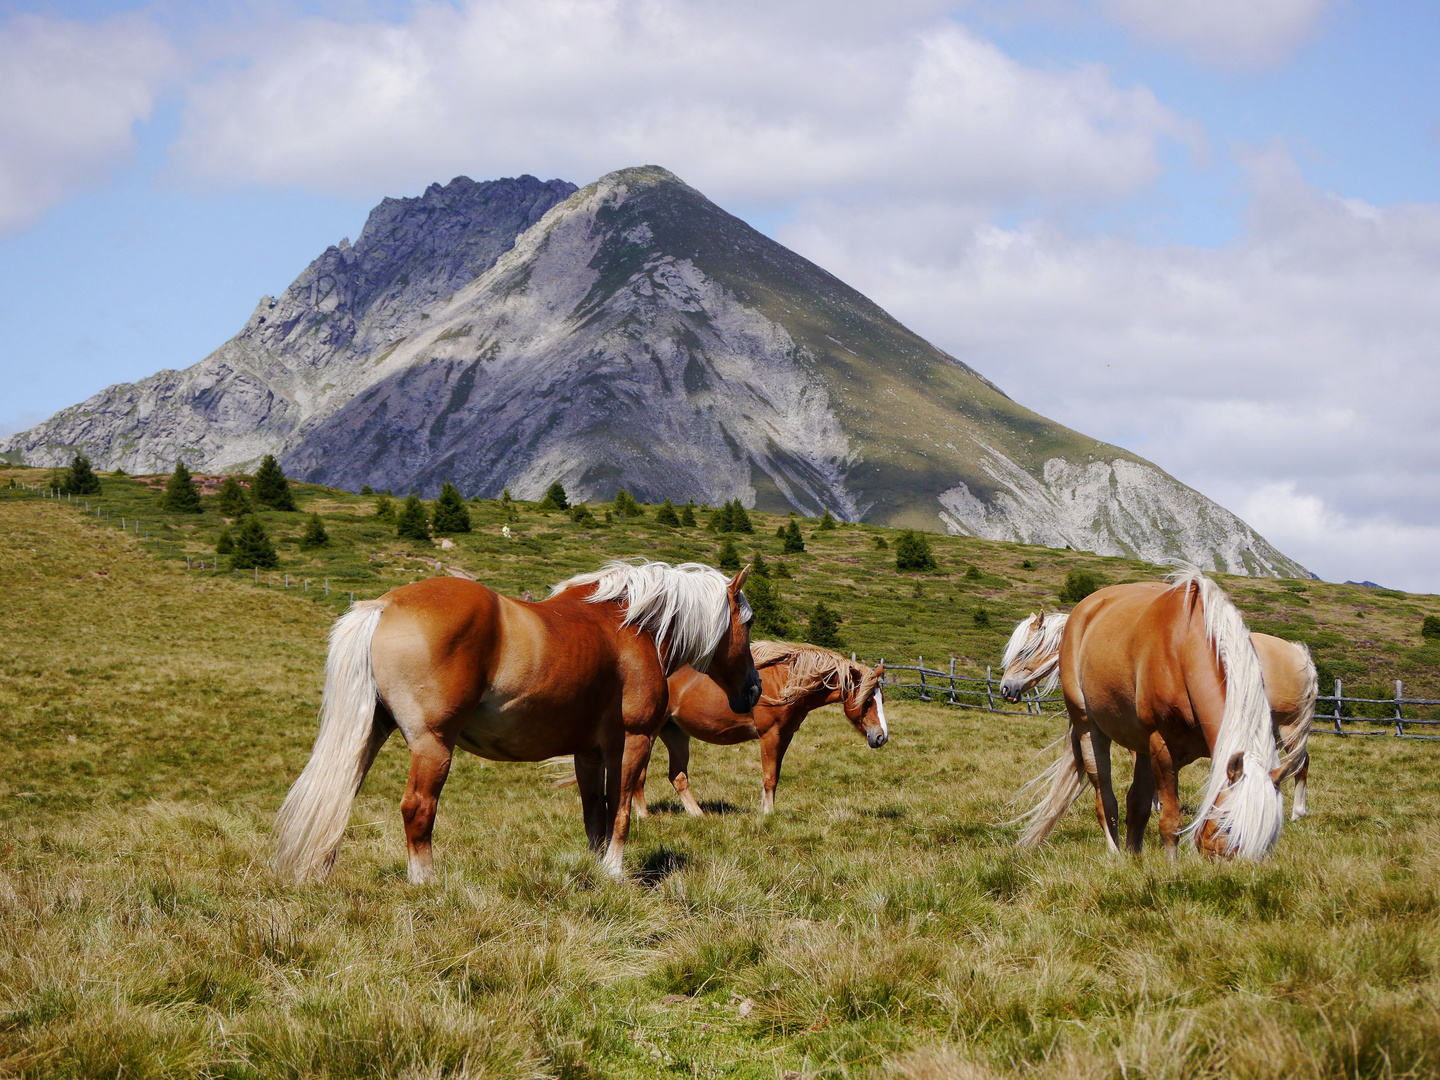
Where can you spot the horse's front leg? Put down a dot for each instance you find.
(677, 745)
(773, 745)
(1297, 811)
(430, 756)
(624, 771)
(1167, 785)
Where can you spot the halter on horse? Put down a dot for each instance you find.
(797, 680)
(449, 662)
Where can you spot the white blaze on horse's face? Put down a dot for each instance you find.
(880, 711)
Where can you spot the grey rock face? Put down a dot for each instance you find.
(515, 333)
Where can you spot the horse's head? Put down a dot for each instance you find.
(731, 666)
(865, 708)
(1216, 836)
(1032, 654)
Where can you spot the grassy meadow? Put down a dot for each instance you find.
(880, 923)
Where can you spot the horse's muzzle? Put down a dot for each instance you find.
(1010, 693)
(877, 739)
(749, 695)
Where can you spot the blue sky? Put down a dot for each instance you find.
(1207, 232)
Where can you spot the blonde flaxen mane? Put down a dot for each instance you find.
(813, 669)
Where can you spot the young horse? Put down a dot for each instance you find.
(797, 680)
(1289, 672)
(1172, 675)
(450, 663)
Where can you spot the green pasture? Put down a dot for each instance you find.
(880, 923)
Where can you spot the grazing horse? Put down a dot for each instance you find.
(1291, 683)
(1171, 674)
(451, 663)
(797, 680)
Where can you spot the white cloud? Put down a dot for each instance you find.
(1233, 33)
(70, 96)
(754, 107)
(1304, 354)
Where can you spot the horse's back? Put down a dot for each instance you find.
(1287, 676)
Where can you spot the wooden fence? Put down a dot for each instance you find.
(1334, 713)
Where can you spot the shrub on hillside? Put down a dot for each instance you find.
(824, 628)
(626, 506)
(759, 567)
(226, 544)
(765, 601)
(912, 552)
(384, 508)
(412, 523)
(1080, 583)
(793, 543)
(728, 557)
(687, 515)
(666, 515)
(232, 500)
(270, 487)
(80, 478)
(253, 547)
(581, 515)
(181, 495)
(826, 523)
(451, 513)
(880, 544)
(1430, 628)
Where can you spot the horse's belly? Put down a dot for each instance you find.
(511, 734)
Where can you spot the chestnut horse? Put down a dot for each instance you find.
(1291, 684)
(797, 680)
(1170, 673)
(451, 663)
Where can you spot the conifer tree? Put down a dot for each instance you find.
(412, 523)
(780, 532)
(794, 542)
(687, 516)
(729, 558)
(451, 513)
(384, 508)
(826, 523)
(739, 519)
(226, 544)
(555, 497)
(759, 567)
(80, 478)
(234, 502)
(180, 493)
(367, 490)
(912, 551)
(270, 487)
(782, 570)
(880, 544)
(626, 506)
(253, 546)
(581, 515)
(666, 515)
(824, 628)
(315, 534)
(765, 601)
(722, 519)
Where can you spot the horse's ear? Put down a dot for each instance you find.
(1235, 768)
(1037, 621)
(1289, 767)
(738, 582)
(880, 668)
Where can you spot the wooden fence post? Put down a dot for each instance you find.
(924, 692)
(1399, 716)
(1339, 696)
(952, 680)
(988, 695)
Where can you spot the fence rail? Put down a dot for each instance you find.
(973, 692)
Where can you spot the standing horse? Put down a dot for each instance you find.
(797, 680)
(1291, 682)
(1172, 675)
(450, 663)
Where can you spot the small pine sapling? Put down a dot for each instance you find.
(722, 519)
(253, 546)
(451, 513)
(412, 522)
(759, 567)
(315, 535)
(972, 573)
(765, 601)
(826, 523)
(226, 544)
(581, 515)
(1080, 583)
(687, 515)
(181, 495)
(555, 498)
(666, 515)
(80, 478)
(824, 628)
(1430, 628)
(384, 507)
(232, 500)
(782, 569)
(728, 557)
(626, 506)
(367, 490)
(270, 487)
(912, 552)
(739, 519)
(880, 544)
(794, 542)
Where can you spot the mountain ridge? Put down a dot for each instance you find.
(632, 333)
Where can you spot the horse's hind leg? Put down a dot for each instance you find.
(677, 745)
(430, 757)
(1166, 774)
(1297, 811)
(590, 779)
(1137, 804)
(773, 745)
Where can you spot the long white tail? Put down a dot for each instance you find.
(1253, 812)
(1066, 780)
(313, 817)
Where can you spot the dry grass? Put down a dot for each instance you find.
(880, 923)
